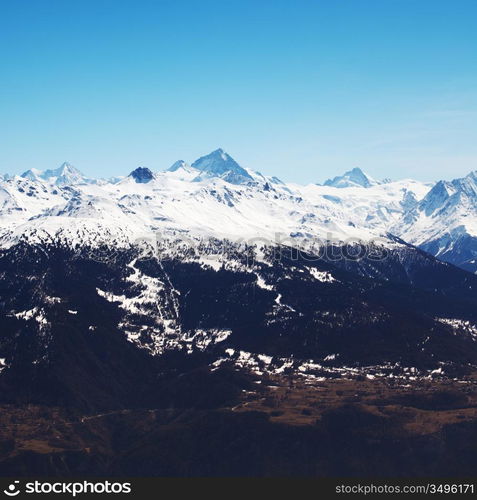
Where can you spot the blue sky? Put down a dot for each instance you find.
(300, 89)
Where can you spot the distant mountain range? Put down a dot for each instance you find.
(64, 175)
(215, 196)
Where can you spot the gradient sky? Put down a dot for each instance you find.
(300, 89)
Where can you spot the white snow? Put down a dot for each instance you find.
(217, 198)
(323, 276)
(173, 205)
(261, 283)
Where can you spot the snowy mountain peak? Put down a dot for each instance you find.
(65, 174)
(142, 175)
(353, 178)
(219, 152)
(449, 195)
(468, 185)
(444, 222)
(437, 196)
(32, 174)
(181, 170)
(220, 164)
(67, 167)
(177, 165)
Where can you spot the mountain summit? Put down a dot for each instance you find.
(142, 175)
(222, 165)
(33, 174)
(353, 178)
(182, 170)
(66, 174)
(178, 165)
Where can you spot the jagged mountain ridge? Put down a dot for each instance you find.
(444, 222)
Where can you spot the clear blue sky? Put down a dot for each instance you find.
(300, 89)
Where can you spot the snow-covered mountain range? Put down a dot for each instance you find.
(216, 197)
(444, 222)
(200, 262)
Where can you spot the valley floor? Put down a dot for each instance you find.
(279, 426)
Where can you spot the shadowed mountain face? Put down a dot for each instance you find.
(142, 175)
